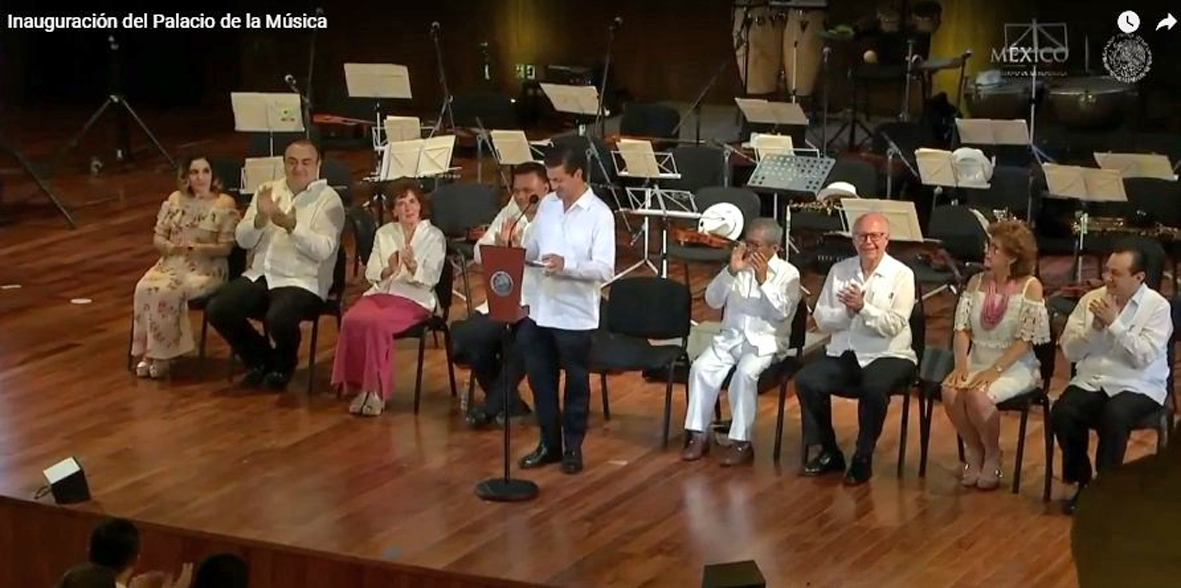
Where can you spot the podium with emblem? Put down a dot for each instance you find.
(504, 268)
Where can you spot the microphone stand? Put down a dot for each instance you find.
(506, 489)
(601, 120)
(307, 129)
(446, 108)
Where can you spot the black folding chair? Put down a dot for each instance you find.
(436, 323)
(638, 310)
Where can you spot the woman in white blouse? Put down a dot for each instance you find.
(404, 266)
(1000, 317)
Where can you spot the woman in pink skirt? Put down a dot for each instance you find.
(407, 259)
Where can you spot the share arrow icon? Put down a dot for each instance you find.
(1167, 22)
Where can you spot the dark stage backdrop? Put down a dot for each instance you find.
(666, 49)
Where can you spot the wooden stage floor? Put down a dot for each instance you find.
(199, 453)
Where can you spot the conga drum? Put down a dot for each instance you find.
(764, 45)
(803, 26)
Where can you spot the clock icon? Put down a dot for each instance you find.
(1128, 21)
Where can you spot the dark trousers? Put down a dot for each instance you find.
(1078, 411)
(482, 343)
(281, 309)
(871, 386)
(547, 351)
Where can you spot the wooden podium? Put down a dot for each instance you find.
(504, 269)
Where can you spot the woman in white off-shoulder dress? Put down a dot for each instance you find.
(1000, 317)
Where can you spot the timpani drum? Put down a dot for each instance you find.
(1090, 102)
(1008, 99)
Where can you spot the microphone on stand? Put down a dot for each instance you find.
(532, 202)
(616, 23)
(435, 27)
(290, 79)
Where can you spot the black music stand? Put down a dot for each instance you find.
(23, 162)
(504, 269)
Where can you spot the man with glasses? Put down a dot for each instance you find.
(865, 306)
(759, 292)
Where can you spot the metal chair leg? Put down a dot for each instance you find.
(1049, 435)
(418, 376)
(1020, 448)
(450, 365)
(902, 433)
(668, 401)
(603, 392)
(312, 354)
(779, 420)
(201, 347)
(130, 342)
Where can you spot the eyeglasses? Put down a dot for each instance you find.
(875, 237)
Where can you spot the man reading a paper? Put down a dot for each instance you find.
(292, 231)
(478, 340)
(573, 238)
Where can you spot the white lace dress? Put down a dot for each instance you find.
(1024, 319)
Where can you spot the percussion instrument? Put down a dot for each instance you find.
(781, 38)
(1006, 100)
(1090, 102)
(1114, 225)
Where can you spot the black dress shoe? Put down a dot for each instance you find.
(860, 471)
(477, 418)
(255, 377)
(277, 380)
(826, 462)
(572, 461)
(1071, 504)
(541, 456)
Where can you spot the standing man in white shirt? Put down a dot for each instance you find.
(759, 292)
(478, 340)
(573, 238)
(1117, 337)
(292, 231)
(865, 305)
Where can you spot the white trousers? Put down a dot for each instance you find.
(708, 372)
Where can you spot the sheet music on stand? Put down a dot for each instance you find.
(901, 214)
(1084, 183)
(1138, 165)
(379, 81)
(938, 167)
(987, 131)
(259, 170)
(512, 147)
(765, 144)
(582, 100)
(401, 128)
(801, 170)
(265, 112)
(418, 158)
(759, 111)
(635, 158)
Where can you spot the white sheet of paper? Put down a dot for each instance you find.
(402, 128)
(901, 214)
(987, 131)
(512, 147)
(936, 167)
(1084, 183)
(259, 170)
(261, 112)
(766, 144)
(377, 80)
(1138, 165)
(638, 157)
(572, 99)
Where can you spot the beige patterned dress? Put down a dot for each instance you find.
(162, 329)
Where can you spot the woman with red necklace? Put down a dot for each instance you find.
(1000, 317)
